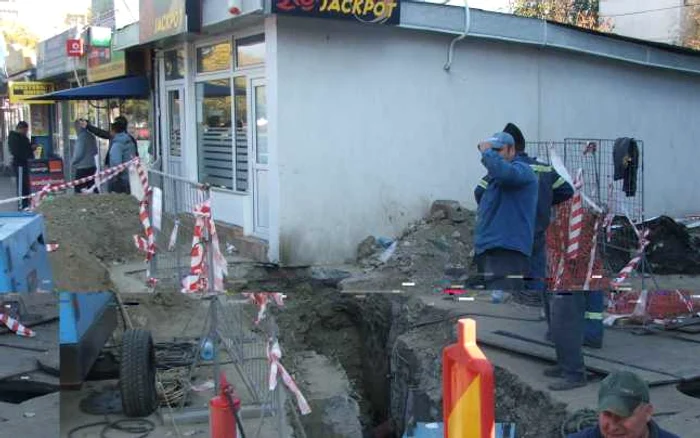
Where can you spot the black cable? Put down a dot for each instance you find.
(460, 315)
(140, 427)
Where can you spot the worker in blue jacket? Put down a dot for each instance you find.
(552, 190)
(506, 214)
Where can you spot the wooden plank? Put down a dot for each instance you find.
(17, 361)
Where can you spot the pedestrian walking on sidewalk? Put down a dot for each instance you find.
(506, 214)
(624, 410)
(84, 156)
(22, 151)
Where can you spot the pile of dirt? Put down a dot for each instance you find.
(425, 250)
(92, 232)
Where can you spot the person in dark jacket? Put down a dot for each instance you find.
(84, 155)
(625, 410)
(552, 190)
(22, 151)
(506, 214)
(123, 124)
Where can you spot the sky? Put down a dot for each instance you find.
(49, 21)
(46, 25)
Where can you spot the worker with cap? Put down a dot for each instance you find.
(506, 214)
(624, 410)
(552, 190)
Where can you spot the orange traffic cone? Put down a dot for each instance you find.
(467, 387)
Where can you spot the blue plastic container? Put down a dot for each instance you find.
(24, 262)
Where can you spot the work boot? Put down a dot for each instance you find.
(554, 372)
(593, 344)
(566, 385)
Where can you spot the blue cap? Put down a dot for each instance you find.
(500, 140)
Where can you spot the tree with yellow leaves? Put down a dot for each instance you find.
(580, 13)
(15, 33)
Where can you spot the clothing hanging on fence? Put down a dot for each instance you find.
(626, 161)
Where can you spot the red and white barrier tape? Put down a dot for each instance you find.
(274, 354)
(632, 264)
(591, 260)
(261, 299)
(173, 236)
(109, 173)
(16, 327)
(576, 221)
(610, 215)
(196, 281)
(51, 247)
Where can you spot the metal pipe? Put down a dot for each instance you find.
(451, 50)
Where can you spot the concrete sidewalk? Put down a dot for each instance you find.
(8, 190)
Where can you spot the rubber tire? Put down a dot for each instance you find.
(137, 374)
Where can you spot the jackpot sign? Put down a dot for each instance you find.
(366, 11)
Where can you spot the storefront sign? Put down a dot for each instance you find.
(101, 37)
(20, 91)
(74, 48)
(366, 11)
(105, 63)
(160, 19)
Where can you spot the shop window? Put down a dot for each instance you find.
(215, 133)
(174, 64)
(216, 57)
(250, 51)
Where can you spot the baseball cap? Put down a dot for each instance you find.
(500, 139)
(621, 393)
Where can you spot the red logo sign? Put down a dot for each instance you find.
(74, 48)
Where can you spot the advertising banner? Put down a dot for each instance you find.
(105, 63)
(160, 19)
(20, 91)
(366, 11)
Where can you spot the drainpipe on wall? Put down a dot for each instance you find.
(467, 23)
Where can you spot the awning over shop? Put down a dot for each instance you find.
(135, 87)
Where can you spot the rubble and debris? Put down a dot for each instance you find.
(93, 231)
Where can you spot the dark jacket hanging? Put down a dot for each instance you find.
(626, 161)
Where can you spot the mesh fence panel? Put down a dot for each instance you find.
(179, 198)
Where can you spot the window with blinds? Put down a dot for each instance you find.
(215, 133)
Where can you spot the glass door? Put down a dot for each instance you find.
(261, 202)
(174, 130)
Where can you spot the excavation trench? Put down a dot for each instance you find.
(369, 369)
(18, 391)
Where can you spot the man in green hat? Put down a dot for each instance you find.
(624, 410)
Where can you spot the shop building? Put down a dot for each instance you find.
(323, 123)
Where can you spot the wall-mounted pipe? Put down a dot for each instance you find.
(451, 49)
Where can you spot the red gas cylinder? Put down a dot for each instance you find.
(222, 423)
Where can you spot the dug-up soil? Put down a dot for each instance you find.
(92, 232)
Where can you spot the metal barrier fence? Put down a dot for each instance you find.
(624, 197)
(174, 238)
(230, 320)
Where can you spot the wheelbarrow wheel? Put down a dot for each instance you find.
(137, 374)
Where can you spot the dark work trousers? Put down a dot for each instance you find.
(595, 304)
(567, 313)
(119, 185)
(498, 264)
(538, 272)
(23, 186)
(82, 173)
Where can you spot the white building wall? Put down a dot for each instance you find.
(371, 129)
(653, 20)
